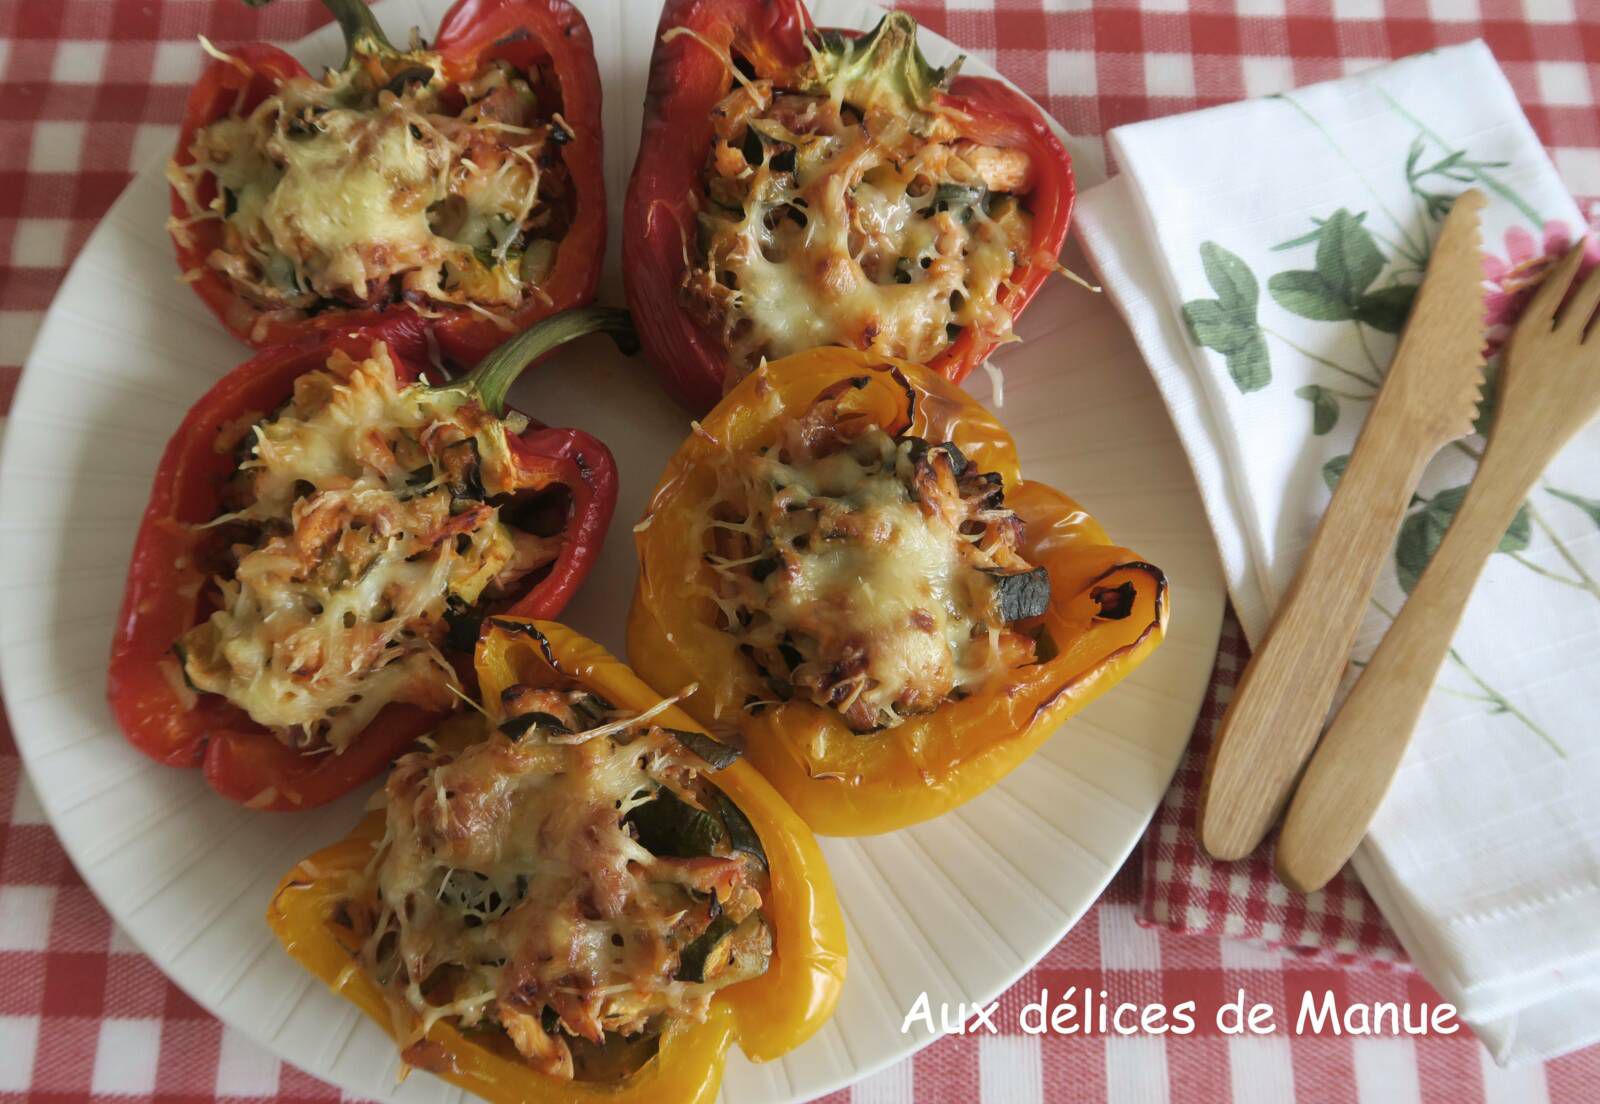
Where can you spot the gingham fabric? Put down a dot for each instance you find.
(91, 88)
(1185, 891)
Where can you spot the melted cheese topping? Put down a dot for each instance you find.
(328, 208)
(816, 232)
(363, 521)
(514, 885)
(859, 572)
(336, 192)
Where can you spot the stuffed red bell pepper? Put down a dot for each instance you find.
(326, 531)
(460, 182)
(798, 187)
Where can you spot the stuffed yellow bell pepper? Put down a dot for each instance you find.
(845, 557)
(590, 902)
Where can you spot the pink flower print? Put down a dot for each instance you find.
(1509, 282)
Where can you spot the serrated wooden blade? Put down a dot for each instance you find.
(1428, 398)
(1437, 370)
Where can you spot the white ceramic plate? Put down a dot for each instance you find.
(959, 907)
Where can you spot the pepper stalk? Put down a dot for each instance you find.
(490, 381)
(362, 34)
(881, 70)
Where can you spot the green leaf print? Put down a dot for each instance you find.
(1347, 257)
(1251, 366)
(1215, 328)
(1590, 506)
(1324, 407)
(1312, 235)
(1455, 166)
(1230, 278)
(1348, 261)
(1519, 534)
(1386, 308)
(1333, 470)
(1227, 324)
(1423, 529)
(1309, 295)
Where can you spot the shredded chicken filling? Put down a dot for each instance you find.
(573, 881)
(363, 519)
(820, 225)
(878, 576)
(350, 192)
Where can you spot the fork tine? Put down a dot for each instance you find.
(1584, 300)
(1541, 308)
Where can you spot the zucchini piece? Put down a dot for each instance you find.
(741, 833)
(949, 197)
(670, 828)
(1021, 594)
(517, 727)
(716, 753)
(411, 74)
(703, 955)
(462, 467)
(727, 953)
(591, 710)
(921, 450)
(613, 1061)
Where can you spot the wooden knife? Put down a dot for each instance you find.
(1428, 399)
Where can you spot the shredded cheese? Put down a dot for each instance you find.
(573, 895)
(363, 514)
(817, 230)
(338, 192)
(861, 571)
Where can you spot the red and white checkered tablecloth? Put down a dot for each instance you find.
(89, 88)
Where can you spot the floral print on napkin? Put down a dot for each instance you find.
(1359, 270)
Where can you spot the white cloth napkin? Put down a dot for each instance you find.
(1261, 254)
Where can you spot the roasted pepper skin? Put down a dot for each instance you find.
(767, 1016)
(472, 34)
(686, 81)
(841, 782)
(163, 599)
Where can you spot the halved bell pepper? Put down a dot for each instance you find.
(472, 35)
(1108, 611)
(767, 1016)
(167, 586)
(690, 72)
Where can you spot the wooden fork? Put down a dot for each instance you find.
(1549, 390)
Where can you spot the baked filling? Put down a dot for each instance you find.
(820, 225)
(875, 575)
(385, 183)
(364, 519)
(574, 883)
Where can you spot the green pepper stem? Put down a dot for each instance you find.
(883, 67)
(495, 374)
(360, 29)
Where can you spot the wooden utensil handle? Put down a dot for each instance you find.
(1284, 695)
(1359, 754)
